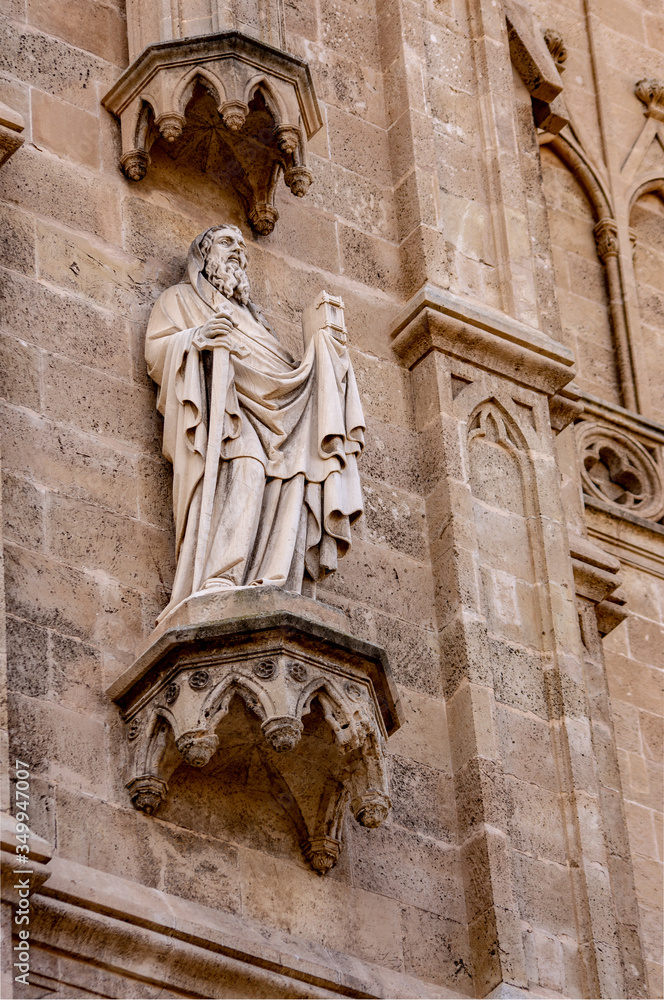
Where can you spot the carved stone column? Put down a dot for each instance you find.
(608, 251)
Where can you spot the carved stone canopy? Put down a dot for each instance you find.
(290, 663)
(265, 110)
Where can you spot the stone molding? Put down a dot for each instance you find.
(620, 457)
(151, 97)
(85, 912)
(565, 407)
(530, 53)
(651, 94)
(11, 126)
(256, 643)
(39, 854)
(435, 319)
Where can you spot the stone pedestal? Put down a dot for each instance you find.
(279, 653)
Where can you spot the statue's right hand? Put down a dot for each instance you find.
(217, 326)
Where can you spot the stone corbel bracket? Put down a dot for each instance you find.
(175, 696)
(532, 56)
(597, 579)
(152, 95)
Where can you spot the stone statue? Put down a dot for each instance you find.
(264, 450)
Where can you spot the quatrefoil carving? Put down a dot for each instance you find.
(618, 470)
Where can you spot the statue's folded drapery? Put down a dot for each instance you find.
(287, 486)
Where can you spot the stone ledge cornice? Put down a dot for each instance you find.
(627, 420)
(83, 909)
(436, 319)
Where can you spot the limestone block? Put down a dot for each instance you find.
(20, 373)
(415, 871)
(47, 318)
(65, 129)
(76, 464)
(335, 915)
(63, 192)
(17, 243)
(436, 949)
(86, 25)
(423, 799)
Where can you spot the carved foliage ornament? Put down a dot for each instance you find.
(556, 46)
(606, 238)
(263, 114)
(651, 94)
(618, 470)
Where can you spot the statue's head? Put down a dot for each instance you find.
(225, 261)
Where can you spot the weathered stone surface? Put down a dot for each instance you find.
(523, 855)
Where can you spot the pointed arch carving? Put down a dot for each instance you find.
(608, 251)
(491, 420)
(586, 175)
(183, 91)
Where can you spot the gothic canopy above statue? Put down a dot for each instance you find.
(264, 103)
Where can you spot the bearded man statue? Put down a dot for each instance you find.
(264, 450)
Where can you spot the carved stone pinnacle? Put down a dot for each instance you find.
(234, 115)
(298, 180)
(288, 138)
(263, 218)
(134, 164)
(170, 126)
(147, 793)
(322, 853)
(371, 809)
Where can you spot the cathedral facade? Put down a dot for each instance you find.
(332, 390)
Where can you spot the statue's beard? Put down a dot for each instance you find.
(229, 277)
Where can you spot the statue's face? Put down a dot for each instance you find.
(226, 246)
(226, 262)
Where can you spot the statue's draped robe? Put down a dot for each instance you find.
(287, 488)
